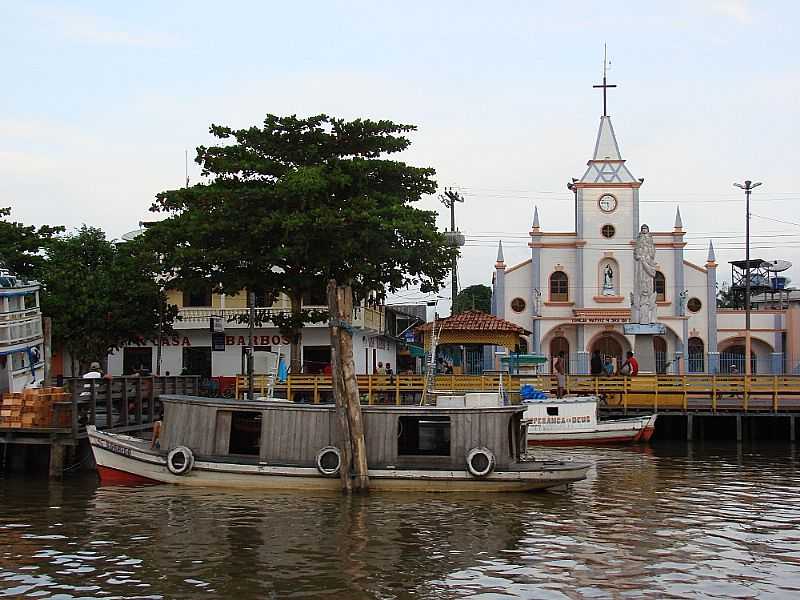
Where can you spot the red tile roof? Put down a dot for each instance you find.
(474, 320)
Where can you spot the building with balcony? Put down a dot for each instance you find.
(189, 349)
(21, 343)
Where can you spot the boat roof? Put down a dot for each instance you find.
(230, 404)
(565, 400)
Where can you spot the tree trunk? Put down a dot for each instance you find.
(340, 300)
(296, 335)
(339, 394)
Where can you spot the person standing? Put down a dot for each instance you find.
(630, 366)
(608, 366)
(596, 364)
(558, 367)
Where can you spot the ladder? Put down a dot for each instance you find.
(430, 375)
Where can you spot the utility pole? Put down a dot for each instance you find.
(748, 187)
(456, 239)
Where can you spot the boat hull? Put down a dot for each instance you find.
(618, 431)
(123, 461)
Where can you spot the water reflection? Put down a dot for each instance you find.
(668, 521)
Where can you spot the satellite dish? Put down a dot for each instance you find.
(132, 234)
(776, 266)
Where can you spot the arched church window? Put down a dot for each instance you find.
(696, 356)
(608, 231)
(559, 287)
(660, 284)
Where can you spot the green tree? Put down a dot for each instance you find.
(726, 297)
(101, 295)
(298, 204)
(22, 246)
(474, 297)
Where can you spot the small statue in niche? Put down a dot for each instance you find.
(608, 281)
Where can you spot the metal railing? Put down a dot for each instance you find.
(714, 393)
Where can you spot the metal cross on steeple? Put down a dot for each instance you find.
(605, 85)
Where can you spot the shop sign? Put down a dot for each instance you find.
(376, 342)
(258, 340)
(218, 342)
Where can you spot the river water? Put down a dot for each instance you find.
(668, 521)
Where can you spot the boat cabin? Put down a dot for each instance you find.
(576, 412)
(278, 432)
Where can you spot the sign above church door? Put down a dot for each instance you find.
(589, 315)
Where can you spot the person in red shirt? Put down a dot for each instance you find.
(630, 366)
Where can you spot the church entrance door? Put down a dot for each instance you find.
(609, 346)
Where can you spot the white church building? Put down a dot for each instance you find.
(574, 292)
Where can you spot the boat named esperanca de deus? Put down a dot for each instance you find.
(278, 444)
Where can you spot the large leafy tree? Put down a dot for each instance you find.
(297, 202)
(474, 297)
(301, 205)
(22, 246)
(101, 295)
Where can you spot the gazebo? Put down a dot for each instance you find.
(463, 338)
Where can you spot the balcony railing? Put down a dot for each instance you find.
(16, 332)
(367, 318)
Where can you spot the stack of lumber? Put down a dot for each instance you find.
(34, 408)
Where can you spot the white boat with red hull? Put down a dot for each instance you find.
(282, 445)
(574, 421)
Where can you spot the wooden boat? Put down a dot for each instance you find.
(282, 445)
(573, 421)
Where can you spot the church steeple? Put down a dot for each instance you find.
(712, 257)
(678, 220)
(607, 164)
(535, 218)
(501, 263)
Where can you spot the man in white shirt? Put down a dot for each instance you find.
(94, 372)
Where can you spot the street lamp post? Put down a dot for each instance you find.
(574, 189)
(748, 187)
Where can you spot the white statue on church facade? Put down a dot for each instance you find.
(643, 300)
(608, 281)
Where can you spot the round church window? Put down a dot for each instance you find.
(608, 231)
(518, 305)
(694, 305)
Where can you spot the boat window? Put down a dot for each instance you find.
(424, 436)
(552, 411)
(245, 433)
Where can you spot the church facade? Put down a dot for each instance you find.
(574, 293)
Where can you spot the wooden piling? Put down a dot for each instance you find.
(56, 469)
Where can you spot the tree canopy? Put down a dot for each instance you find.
(478, 297)
(101, 295)
(299, 201)
(22, 246)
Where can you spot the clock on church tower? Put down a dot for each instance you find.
(607, 203)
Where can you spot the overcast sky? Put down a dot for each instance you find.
(101, 100)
